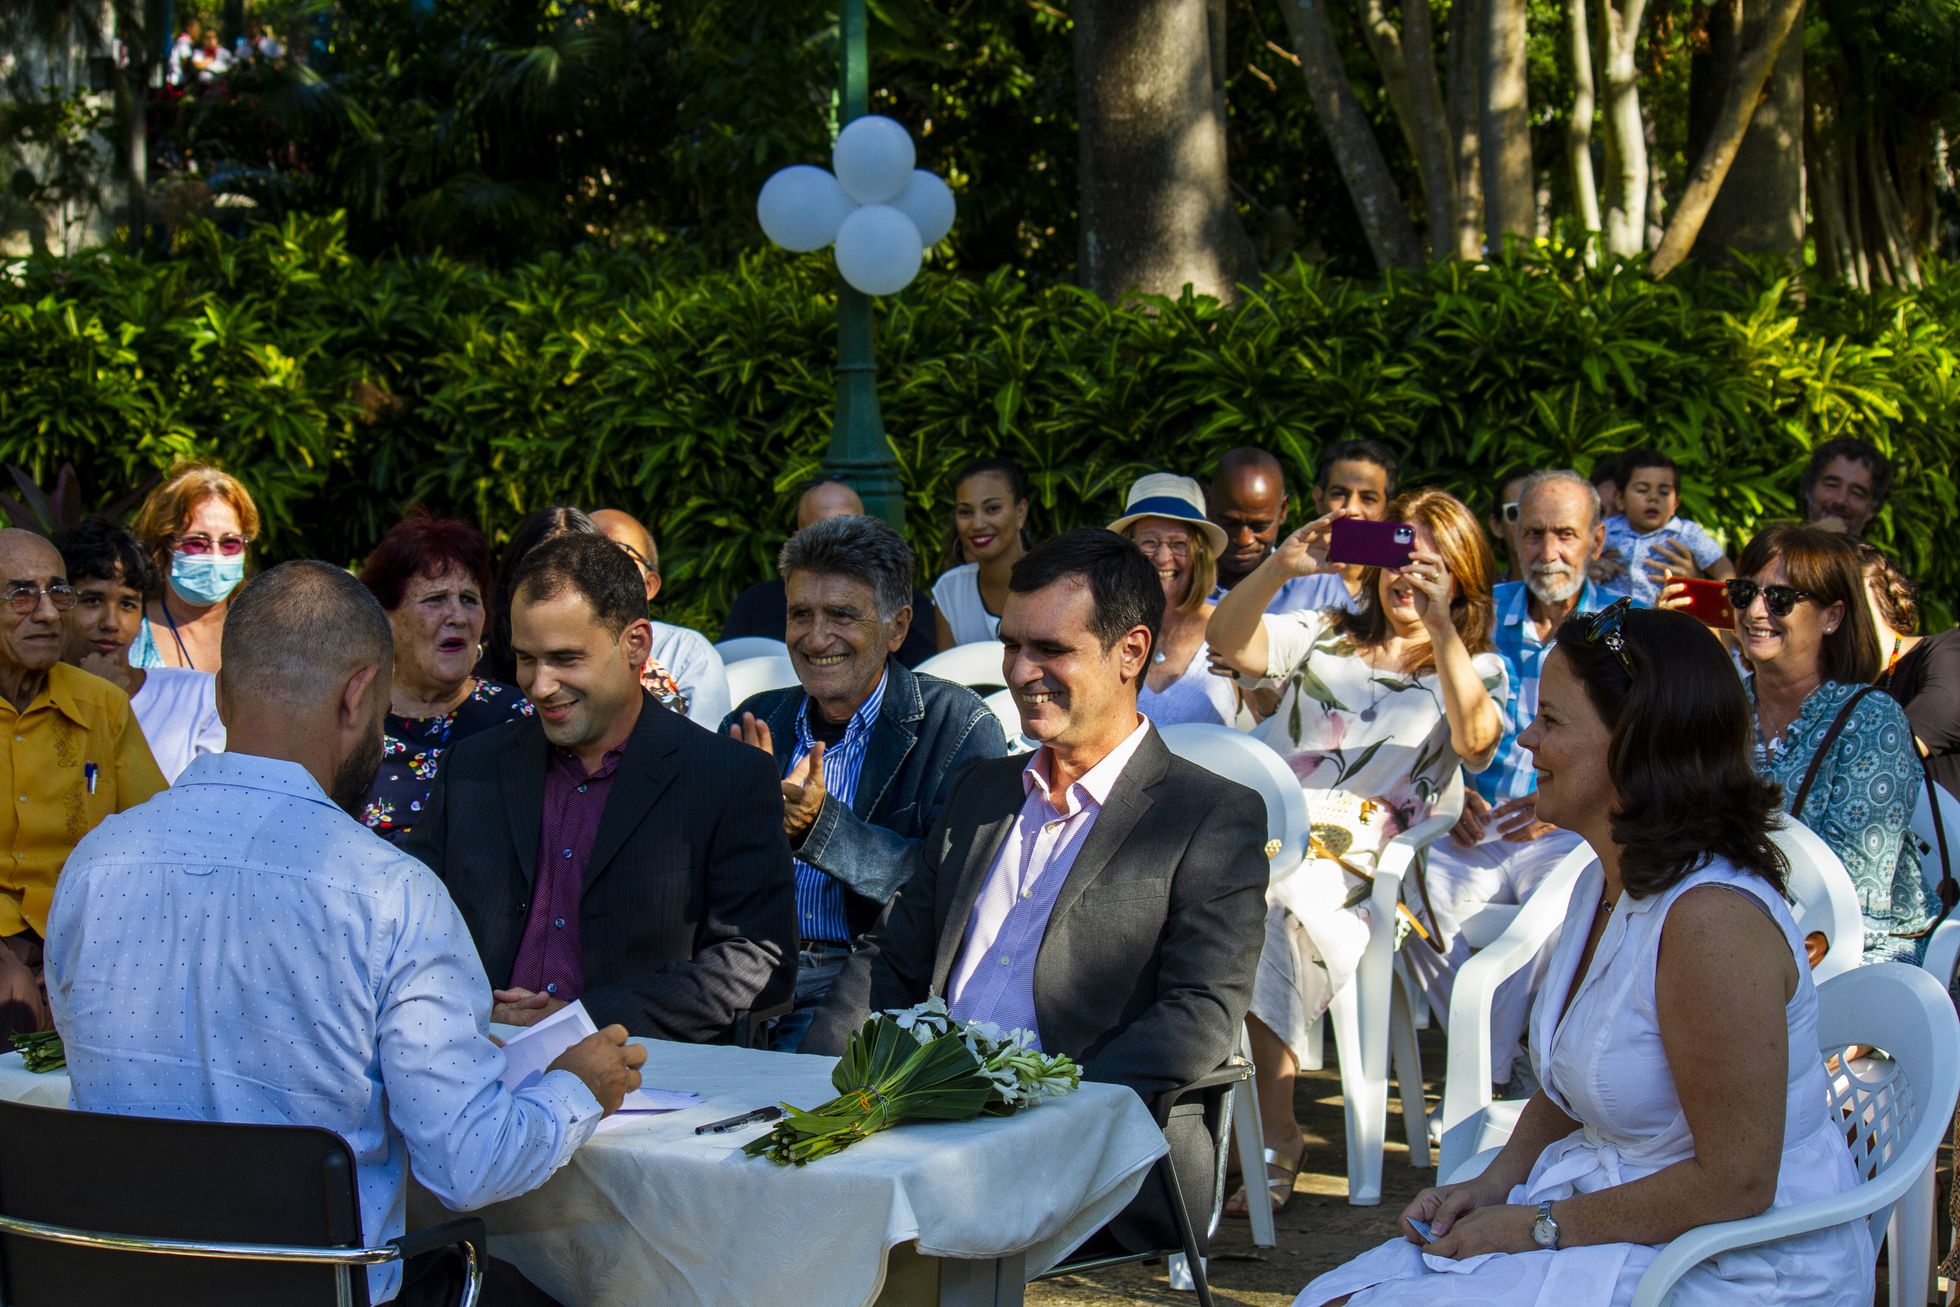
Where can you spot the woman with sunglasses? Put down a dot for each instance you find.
(1675, 1033)
(1842, 751)
(198, 525)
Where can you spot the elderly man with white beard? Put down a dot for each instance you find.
(1500, 851)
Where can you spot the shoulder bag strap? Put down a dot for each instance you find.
(1824, 748)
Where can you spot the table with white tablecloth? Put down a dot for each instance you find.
(650, 1212)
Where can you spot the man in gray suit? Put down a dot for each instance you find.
(1103, 894)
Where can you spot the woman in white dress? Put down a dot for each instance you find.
(1165, 516)
(1676, 1033)
(987, 537)
(1378, 710)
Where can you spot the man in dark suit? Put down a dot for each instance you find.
(1104, 894)
(609, 850)
(867, 750)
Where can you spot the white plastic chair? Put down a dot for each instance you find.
(751, 646)
(1824, 897)
(1905, 1104)
(1001, 704)
(976, 666)
(1909, 1251)
(1366, 1009)
(1253, 764)
(749, 676)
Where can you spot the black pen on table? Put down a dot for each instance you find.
(757, 1117)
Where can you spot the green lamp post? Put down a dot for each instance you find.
(880, 213)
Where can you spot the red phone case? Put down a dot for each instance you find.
(1371, 544)
(1708, 603)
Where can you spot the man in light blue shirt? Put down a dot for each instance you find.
(698, 669)
(240, 948)
(1500, 851)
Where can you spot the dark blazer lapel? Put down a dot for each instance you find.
(1003, 797)
(647, 768)
(1128, 801)
(522, 774)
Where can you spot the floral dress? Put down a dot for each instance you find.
(412, 750)
(1343, 725)
(1861, 804)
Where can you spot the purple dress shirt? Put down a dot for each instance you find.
(548, 959)
(993, 977)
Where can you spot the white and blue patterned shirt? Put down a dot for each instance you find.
(1511, 774)
(820, 915)
(1629, 547)
(240, 949)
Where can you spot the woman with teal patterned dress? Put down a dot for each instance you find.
(1802, 622)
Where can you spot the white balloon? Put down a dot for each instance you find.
(801, 207)
(879, 250)
(873, 158)
(928, 202)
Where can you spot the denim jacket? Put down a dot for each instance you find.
(927, 730)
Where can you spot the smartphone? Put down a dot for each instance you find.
(1372, 544)
(1708, 603)
(1422, 1228)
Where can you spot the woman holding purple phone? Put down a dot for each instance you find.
(1378, 709)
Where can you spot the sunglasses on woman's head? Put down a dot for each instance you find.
(1779, 599)
(1608, 627)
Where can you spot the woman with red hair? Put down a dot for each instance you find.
(431, 574)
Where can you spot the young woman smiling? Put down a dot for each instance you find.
(986, 538)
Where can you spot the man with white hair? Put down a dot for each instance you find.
(1500, 851)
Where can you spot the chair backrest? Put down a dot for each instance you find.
(1928, 836)
(1904, 1104)
(1252, 763)
(754, 675)
(976, 666)
(1001, 704)
(751, 646)
(165, 1179)
(1825, 900)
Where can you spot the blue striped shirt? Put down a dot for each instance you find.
(1510, 774)
(820, 915)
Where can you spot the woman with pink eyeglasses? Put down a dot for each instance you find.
(198, 525)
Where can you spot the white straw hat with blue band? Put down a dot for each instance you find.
(1168, 495)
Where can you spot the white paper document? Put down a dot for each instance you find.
(527, 1056)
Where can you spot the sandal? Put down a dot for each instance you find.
(1279, 1188)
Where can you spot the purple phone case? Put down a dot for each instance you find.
(1371, 544)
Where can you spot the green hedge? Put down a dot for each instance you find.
(341, 390)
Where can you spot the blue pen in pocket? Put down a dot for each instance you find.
(89, 772)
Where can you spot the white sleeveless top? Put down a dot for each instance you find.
(956, 594)
(1196, 696)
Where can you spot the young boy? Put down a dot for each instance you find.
(1646, 543)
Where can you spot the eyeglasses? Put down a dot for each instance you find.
(1512, 509)
(1779, 599)
(1178, 548)
(1608, 627)
(229, 546)
(24, 599)
(639, 559)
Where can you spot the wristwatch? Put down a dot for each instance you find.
(1544, 1230)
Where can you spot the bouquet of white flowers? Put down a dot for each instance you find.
(918, 1064)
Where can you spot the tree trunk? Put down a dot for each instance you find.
(1892, 226)
(1578, 127)
(1466, 60)
(1391, 236)
(1407, 58)
(1508, 191)
(1712, 165)
(1157, 211)
(1627, 178)
(1760, 208)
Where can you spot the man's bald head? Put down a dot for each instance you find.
(26, 554)
(295, 634)
(626, 531)
(1248, 502)
(826, 499)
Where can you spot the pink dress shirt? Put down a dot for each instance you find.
(993, 977)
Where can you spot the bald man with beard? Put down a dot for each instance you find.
(77, 756)
(687, 654)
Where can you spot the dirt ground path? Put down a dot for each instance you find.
(1317, 1231)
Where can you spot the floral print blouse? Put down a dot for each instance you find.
(412, 750)
(1861, 804)
(1345, 725)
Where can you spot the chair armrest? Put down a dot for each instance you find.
(751, 1022)
(1943, 951)
(1214, 1083)
(1683, 1254)
(462, 1229)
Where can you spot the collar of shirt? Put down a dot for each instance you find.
(861, 721)
(571, 765)
(1093, 786)
(1515, 612)
(254, 771)
(64, 692)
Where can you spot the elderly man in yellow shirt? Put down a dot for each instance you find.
(75, 756)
